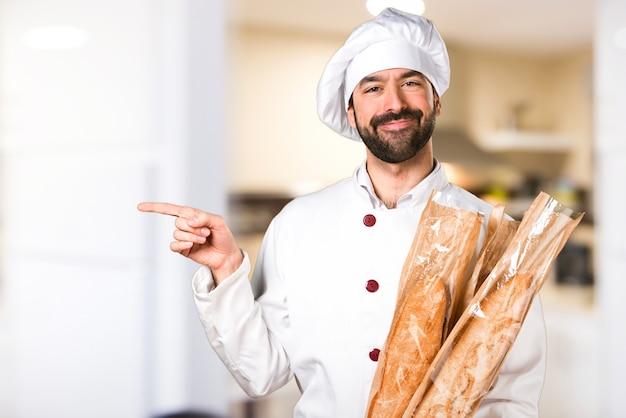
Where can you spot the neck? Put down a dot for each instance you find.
(392, 180)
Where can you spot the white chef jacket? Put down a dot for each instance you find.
(325, 288)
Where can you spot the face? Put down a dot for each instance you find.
(394, 111)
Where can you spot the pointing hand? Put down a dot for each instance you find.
(203, 237)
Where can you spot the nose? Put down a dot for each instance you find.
(394, 99)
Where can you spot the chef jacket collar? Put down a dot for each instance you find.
(436, 180)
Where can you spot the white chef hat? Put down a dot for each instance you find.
(394, 39)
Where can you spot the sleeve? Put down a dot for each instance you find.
(518, 387)
(237, 331)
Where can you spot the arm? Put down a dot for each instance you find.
(517, 388)
(232, 319)
(237, 330)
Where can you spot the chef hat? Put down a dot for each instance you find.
(394, 39)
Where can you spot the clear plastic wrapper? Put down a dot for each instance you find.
(469, 360)
(430, 286)
(500, 231)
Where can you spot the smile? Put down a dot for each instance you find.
(395, 125)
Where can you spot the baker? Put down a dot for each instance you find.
(324, 288)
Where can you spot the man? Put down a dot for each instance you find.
(328, 269)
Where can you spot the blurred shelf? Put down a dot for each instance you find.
(516, 140)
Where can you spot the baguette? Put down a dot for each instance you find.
(412, 345)
(444, 245)
(497, 242)
(429, 288)
(477, 353)
(471, 357)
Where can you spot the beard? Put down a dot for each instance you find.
(400, 145)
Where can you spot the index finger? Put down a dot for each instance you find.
(165, 209)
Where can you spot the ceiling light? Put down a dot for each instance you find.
(410, 6)
(55, 37)
(620, 38)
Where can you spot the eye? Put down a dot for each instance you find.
(371, 89)
(413, 83)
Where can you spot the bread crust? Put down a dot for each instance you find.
(411, 346)
(466, 366)
(474, 352)
(429, 288)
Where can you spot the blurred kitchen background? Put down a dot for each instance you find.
(212, 104)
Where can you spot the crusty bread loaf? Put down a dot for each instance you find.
(410, 348)
(444, 245)
(474, 353)
(430, 284)
(469, 360)
(498, 238)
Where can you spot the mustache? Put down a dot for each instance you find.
(391, 116)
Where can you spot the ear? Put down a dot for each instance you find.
(351, 118)
(437, 104)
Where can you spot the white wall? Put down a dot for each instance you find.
(610, 168)
(97, 312)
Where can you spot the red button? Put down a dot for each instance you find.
(371, 286)
(374, 354)
(369, 220)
